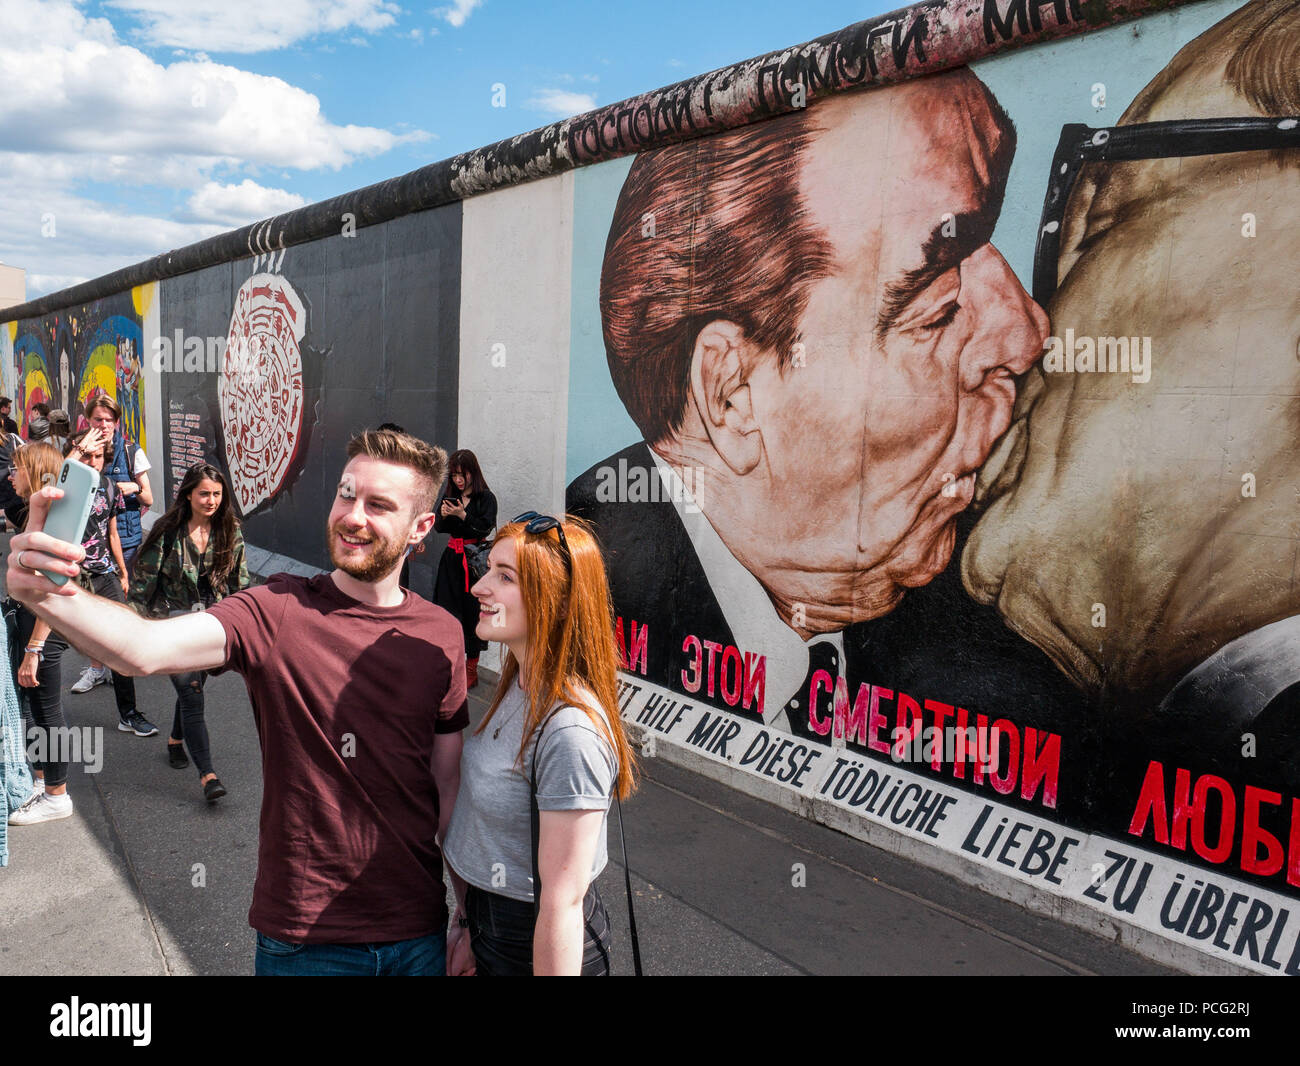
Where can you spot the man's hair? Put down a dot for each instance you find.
(427, 460)
(42, 409)
(5, 401)
(104, 400)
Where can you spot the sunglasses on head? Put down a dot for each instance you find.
(539, 523)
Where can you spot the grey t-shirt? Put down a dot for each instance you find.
(489, 842)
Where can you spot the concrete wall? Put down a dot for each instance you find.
(837, 416)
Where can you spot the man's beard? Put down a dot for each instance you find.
(383, 555)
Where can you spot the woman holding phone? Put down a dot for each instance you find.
(553, 729)
(467, 511)
(40, 670)
(192, 557)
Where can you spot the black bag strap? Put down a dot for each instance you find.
(535, 817)
(169, 542)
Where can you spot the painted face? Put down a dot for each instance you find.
(205, 498)
(911, 345)
(501, 604)
(1125, 542)
(372, 520)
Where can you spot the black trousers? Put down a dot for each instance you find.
(501, 934)
(188, 723)
(110, 587)
(42, 706)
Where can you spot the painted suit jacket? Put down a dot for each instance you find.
(937, 644)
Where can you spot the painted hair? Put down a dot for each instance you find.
(572, 652)
(734, 240)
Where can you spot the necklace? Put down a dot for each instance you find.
(502, 724)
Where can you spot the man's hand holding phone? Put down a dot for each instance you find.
(35, 550)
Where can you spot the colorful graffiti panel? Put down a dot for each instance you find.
(62, 358)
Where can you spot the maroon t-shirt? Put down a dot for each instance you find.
(348, 698)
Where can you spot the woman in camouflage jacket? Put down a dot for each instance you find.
(192, 557)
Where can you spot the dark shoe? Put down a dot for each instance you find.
(471, 672)
(176, 756)
(138, 724)
(214, 790)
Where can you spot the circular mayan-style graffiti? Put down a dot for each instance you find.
(260, 388)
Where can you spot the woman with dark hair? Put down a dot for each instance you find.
(40, 669)
(552, 742)
(466, 511)
(192, 557)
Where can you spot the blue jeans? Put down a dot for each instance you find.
(424, 956)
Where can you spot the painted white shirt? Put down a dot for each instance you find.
(753, 619)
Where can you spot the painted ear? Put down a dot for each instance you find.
(721, 395)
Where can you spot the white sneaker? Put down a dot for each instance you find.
(90, 677)
(38, 787)
(42, 808)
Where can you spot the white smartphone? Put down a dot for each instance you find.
(70, 512)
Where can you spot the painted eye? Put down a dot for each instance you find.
(941, 321)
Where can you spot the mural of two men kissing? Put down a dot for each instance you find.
(884, 471)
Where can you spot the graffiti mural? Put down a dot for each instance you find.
(269, 365)
(260, 388)
(1003, 560)
(59, 359)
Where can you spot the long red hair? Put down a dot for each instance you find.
(571, 647)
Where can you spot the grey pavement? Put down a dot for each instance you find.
(146, 878)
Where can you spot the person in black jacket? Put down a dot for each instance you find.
(467, 512)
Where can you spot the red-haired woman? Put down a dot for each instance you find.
(553, 728)
(466, 511)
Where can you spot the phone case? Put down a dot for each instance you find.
(69, 514)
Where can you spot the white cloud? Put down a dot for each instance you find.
(238, 205)
(179, 142)
(252, 25)
(76, 88)
(459, 11)
(61, 236)
(561, 103)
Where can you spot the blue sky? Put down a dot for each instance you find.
(129, 127)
